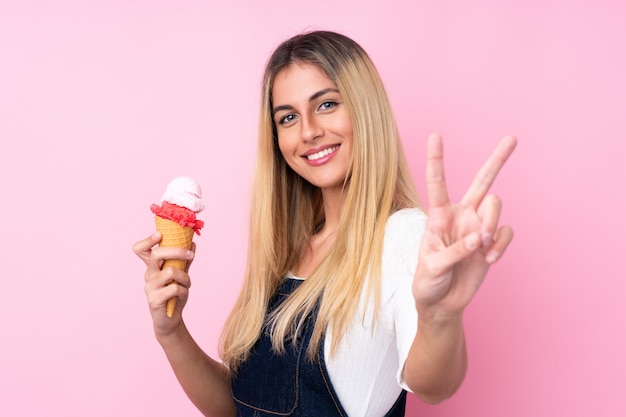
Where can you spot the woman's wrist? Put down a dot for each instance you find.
(435, 316)
(174, 335)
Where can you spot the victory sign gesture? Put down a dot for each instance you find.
(462, 239)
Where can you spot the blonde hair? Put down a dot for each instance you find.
(287, 209)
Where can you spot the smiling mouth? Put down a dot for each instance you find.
(321, 154)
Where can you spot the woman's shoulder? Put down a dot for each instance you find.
(403, 234)
(408, 220)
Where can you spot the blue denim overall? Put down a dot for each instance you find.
(270, 384)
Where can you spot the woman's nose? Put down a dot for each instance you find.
(311, 129)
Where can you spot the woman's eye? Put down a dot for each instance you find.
(286, 119)
(327, 105)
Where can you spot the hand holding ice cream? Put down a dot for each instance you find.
(176, 220)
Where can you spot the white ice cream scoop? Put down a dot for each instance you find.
(184, 192)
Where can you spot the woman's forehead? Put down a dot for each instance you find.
(299, 81)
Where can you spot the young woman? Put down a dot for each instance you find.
(351, 295)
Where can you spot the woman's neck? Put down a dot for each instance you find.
(334, 199)
(318, 246)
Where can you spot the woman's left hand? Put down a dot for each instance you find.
(461, 240)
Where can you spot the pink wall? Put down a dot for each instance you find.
(101, 104)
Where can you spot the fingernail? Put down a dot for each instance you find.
(492, 257)
(190, 254)
(471, 241)
(487, 239)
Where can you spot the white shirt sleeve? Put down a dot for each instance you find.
(400, 255)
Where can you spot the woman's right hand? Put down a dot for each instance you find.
(157, 289)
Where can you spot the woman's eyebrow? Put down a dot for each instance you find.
(313, 97)
(322, 92)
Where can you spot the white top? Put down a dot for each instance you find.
(366, 370)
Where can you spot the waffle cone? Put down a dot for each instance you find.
(173, 235)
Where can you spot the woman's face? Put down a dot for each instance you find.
(313, 125)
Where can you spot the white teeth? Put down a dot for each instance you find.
(321, 154)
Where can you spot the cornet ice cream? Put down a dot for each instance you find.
(175, 219)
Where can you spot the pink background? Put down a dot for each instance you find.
(102, 102)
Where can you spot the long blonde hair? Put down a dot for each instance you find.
(286, 209)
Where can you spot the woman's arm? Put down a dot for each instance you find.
(437, 361)
(460, 243)
(205, 381)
